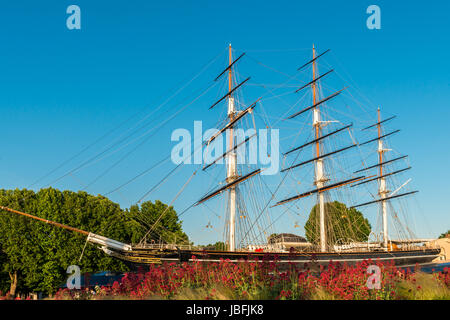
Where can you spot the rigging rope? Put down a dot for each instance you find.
(142, 120)
(168, 206)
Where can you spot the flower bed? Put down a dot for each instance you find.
(265, 280)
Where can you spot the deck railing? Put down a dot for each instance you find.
(162, 246)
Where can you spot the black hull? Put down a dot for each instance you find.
(404, 258)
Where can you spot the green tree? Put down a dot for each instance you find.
(444, 235)
(341, 223)
(163, 221)
(4, 277)
(273, 235)
(219, 246)
(38, 254)
(34, 255)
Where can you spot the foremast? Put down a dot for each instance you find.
(233, 178)
(231, 159)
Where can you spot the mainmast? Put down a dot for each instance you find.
(319, 170)
(320, 178)
(231, 159)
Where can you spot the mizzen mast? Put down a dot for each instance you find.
(382, 190)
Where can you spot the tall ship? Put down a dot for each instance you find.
(326, 167)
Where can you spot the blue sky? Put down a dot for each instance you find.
(61, 89)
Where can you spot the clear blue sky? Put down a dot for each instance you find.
(61, 89)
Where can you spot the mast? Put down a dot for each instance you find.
(233, 179)
(382, 190)
(231, 160)
(319, 170)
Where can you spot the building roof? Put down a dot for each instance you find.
(286, 237)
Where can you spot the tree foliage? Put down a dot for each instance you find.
(341, 223)
(39, 253)
(143, 218)
(219, 246)
(445, 235)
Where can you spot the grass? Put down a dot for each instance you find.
(422, 287)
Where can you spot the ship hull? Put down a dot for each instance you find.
(404, 258)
